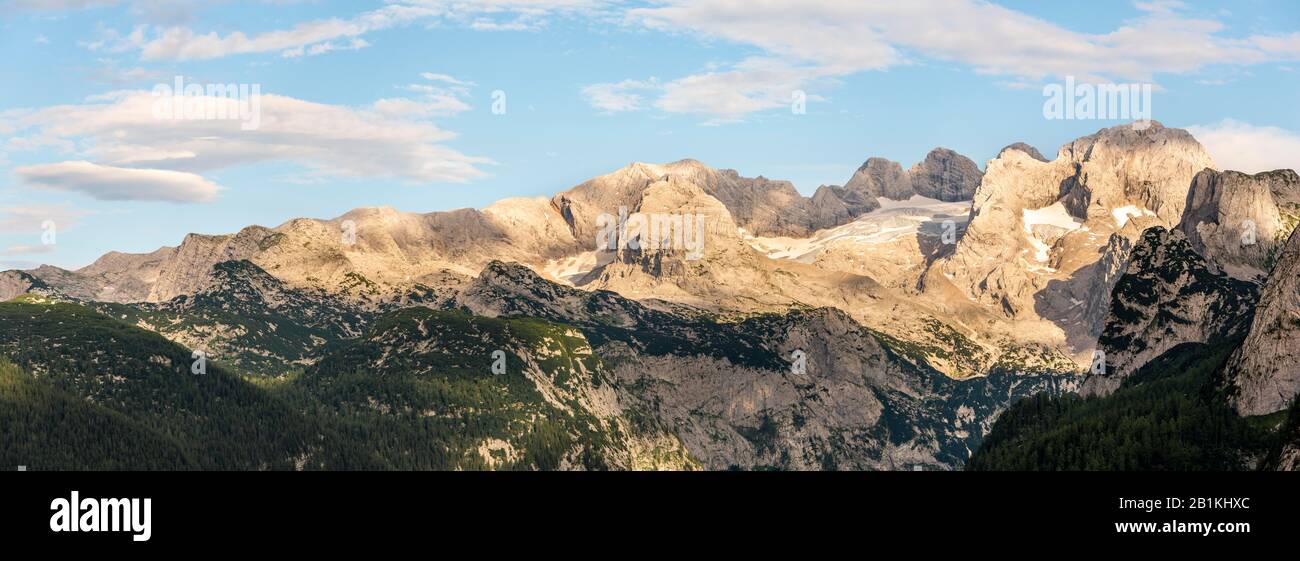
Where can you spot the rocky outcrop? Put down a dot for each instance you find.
(945, 175)
(877, 177)
(114, 277)
(248, 319)
(1240, 222)
(1286, 457)
(15, 283)
(187, 271)
(1042, 245)
(126, 277)
(1021, 146)
(1168, 296)
(808, 389)
(1263, 375)
(759, 205)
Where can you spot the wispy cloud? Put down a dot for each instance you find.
(123, 152)
(1248, 148)
(29, 218)
(627, 95)
(807, 43)
(315, 37)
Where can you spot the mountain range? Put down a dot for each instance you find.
(887, 323)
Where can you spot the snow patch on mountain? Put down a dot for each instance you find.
(1126, 212)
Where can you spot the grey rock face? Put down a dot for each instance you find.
(1288, 453)
(1021, 146)
(943, 174)
(877, 177)
(762, 206)
(1264, 373)
(187, 272)
(946, 175)
(1116, 182)
(1239, 221)
(1169, 295)
(16, 283)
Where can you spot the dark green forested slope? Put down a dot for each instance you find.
(420, 389)
(155, 413)
(42, 427)
(81, 390)
(1164, 417)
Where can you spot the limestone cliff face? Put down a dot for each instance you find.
(1287, 455)
(1046, 239)
(945, 175)
(1026, 148)
(17, 283)
(1263, 375)
(187, 270)
(1168, 296)
(720, 268)
(114, 277)
(125, 277)
(1240, 222)
(877, 177)
(759, 205)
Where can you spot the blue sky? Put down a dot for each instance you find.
(391, 103)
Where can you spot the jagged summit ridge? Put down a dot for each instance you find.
(1048, 240)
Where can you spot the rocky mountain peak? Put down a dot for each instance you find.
(1022, 147)
(945, 175)
(1040, 245)
(1169, 295)
(15, 283)
(1241, 221)
(877, 177)
(1123, 166)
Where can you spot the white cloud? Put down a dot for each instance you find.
(388, 139)
(433, 100)
(355, 44)
(755, 84)
(181, 42)
(619, 96)
(807, 42)
(1239, 146)
(27, 249)
(436, 77)
(110, 183)
(30, 218)
(432, 106)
